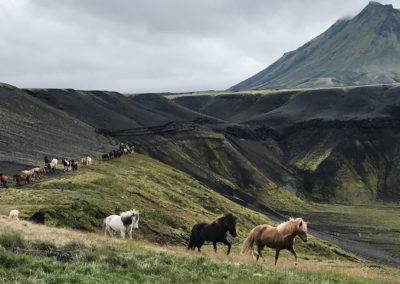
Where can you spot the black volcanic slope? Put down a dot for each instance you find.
(112, 110)
(337, 144)
(363, 50)
(31, 129)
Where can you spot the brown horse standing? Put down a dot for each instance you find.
(21, 177)
(3, 180)
(279, 238)
(214, 232)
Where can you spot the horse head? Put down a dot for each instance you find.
(229, 222)
(130, 217)
(136, 221)
(302, 229)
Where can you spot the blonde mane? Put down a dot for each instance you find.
(288, 227)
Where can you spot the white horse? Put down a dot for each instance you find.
(53, 164)
(124, 223)
(14, 215)
(88, 160)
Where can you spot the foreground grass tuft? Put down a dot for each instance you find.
(27, 261)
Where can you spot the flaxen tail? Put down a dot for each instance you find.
(248, 243)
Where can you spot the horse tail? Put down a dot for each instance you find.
(248, 243)
(192, 241)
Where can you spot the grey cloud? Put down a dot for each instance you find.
(154, 45)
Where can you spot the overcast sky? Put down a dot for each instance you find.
(155, 45)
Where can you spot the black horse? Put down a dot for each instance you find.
(214, 232)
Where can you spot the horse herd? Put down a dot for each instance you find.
(27, 176)
(278, 238)
(116, 153)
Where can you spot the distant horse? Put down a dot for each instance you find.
(86, 161)
(214, 232)
(74, 165)
(129, 150)
(52, 166)
(39, 171)
(67, 164)
(22, 178)
(105, 157)
(278, 238)
(3, 180)
(124, 223)
(14, 215)
(30, 173)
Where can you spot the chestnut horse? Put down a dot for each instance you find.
(22, 177)
(39, 171)
(278, 238)
(30, 173)
(3, 180)
(215, 232)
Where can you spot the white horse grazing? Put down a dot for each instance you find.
(88, 160)
(14, 214)
(124, 223)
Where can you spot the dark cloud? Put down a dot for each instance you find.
(154, 45)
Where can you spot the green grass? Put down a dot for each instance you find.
(26, 261)
(170, 203)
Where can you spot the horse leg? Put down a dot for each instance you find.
(295, 255)
(130, 233)
(122, 234)
(215, 246)
(225, 241)
(277, 255)
(259, 253)
(199, 244)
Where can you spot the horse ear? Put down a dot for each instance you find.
(301, 223)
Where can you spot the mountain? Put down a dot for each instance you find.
(363, 50)
(336, 144)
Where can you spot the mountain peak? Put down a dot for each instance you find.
(376, 6)
(364, 50)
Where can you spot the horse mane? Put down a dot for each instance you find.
(288, 227)
(224, 219)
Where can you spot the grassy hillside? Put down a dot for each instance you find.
(169, 201)
(39, 254)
